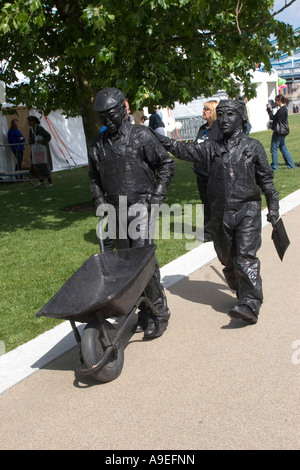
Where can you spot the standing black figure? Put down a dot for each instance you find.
(128, 161)
(238, 170)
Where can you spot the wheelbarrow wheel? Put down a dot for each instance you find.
(93, 346)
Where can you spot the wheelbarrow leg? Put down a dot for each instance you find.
(78, 338)
(75, 331)
(104, 330)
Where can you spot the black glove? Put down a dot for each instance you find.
(159, 195)
(273, 216)
(98, 204)
(273, 206)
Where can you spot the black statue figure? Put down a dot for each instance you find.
(127, 161)
(238, 171)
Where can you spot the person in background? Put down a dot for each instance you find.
(43, 170)
(209, 130)
(278, 141)
(249, 126)
(15, 136)
(144, 121)
(156, 122)
(130, 117)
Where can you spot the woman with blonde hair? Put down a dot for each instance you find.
(209, 130)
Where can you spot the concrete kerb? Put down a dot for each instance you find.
(27, 359)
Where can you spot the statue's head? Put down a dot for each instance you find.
(110, 104)
(231, 114)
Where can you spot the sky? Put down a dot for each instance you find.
(291, 15)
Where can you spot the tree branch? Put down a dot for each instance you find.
(209, 33)
(287, 5)
(238, 9)
(283, 8)
(248, 30)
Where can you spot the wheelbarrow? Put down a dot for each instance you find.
(109, 284)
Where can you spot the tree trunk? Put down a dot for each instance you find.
(91, 122)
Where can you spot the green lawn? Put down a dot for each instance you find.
(42, 245)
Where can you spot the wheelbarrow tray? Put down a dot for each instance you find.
(109, 283)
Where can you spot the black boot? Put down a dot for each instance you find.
(142, 323)
(157, 325)
(243, 312)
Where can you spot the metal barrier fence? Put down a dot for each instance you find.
(17, 152)
(15, 170)
(190, 127)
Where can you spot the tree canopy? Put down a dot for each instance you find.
(155, 51)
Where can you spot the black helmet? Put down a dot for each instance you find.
(108, 98)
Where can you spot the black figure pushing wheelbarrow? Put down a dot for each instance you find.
(126, 163)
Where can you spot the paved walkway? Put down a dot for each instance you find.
(207, 383)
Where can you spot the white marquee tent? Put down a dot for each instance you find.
(67, 145)
(266, 89)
